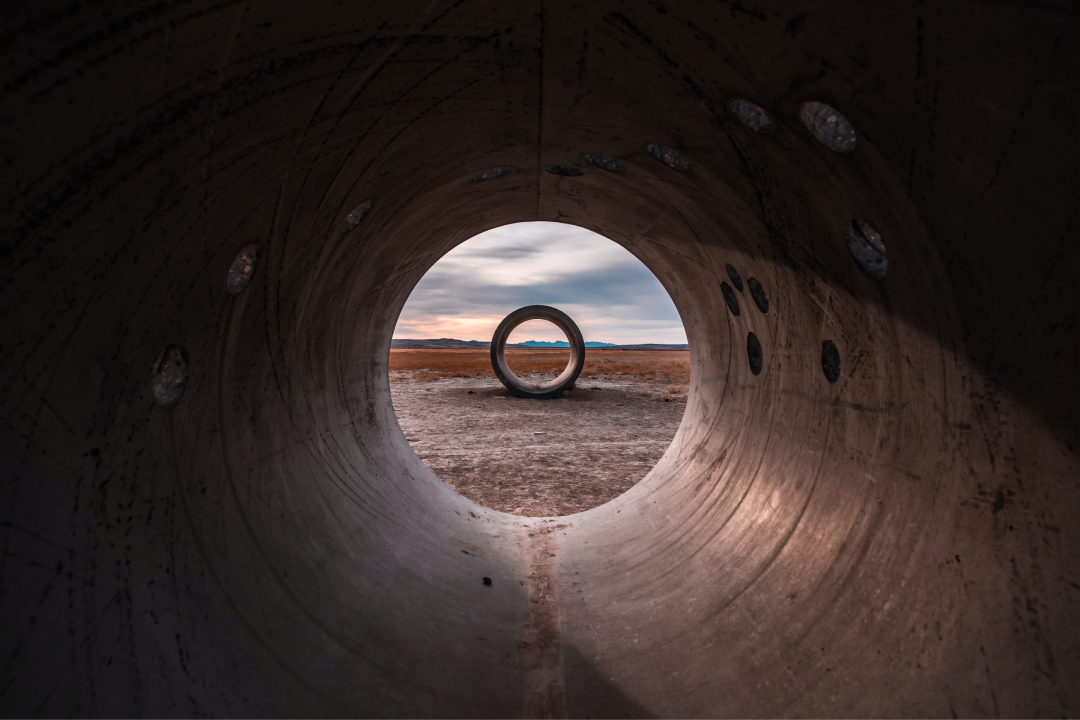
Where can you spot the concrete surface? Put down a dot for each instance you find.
(901, 542)
(546, 388)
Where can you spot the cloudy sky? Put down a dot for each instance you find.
(606, 290)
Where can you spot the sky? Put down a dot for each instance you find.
(607, 291)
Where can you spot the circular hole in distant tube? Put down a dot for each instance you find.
(242, 270)
(564, 171)
(758, 293)
(603, 162)
(734, 276)
(752, 116)
(672, 158)
(535, 361)
(754, 354)
(169, 375)
(830, 361)
(828, 126)
(867, 249)
(730, 299)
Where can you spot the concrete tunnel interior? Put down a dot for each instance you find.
(899, 542)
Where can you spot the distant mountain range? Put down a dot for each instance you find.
(561, 344)
(452, 344)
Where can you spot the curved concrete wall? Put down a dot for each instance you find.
(901, 542)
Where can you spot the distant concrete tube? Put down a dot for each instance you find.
(521, 387)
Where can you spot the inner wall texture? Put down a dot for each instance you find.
(899, 542)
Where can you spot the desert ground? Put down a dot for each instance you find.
(539, 458)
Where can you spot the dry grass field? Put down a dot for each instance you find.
(539, 457)
(646, 366)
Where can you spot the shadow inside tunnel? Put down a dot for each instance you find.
(591, 694)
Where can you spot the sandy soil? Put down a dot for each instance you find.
(538, 457)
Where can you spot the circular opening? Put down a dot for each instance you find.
(534, 359)
(754, 354)
(829, 127)
(830, 361)
(867, 249)
(242, 270)
(730, 299)
(578, 448)
(603, 162)
(734, 276)
(752, 116)
(169, 375)
(672, 158)
(565, 171)
(758, 293)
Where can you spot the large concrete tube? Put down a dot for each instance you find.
(901, 542)
(548, 388)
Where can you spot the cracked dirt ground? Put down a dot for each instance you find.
(538, 457)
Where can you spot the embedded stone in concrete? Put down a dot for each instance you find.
(867, 249)
(752, 116)
(242, 269)
(521, 387)
(564, 170)
(754, 353)
(828, 126)
(830, 361)
(734, 276)
(492, 173)
(730, 299)
(356, 216)
(603, 162)
(169, 376)
(672, 158)
(758, 293)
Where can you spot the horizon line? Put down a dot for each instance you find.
(549, 342)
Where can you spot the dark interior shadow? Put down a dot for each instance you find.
(590, 694)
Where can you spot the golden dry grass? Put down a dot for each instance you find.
(670, 366)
